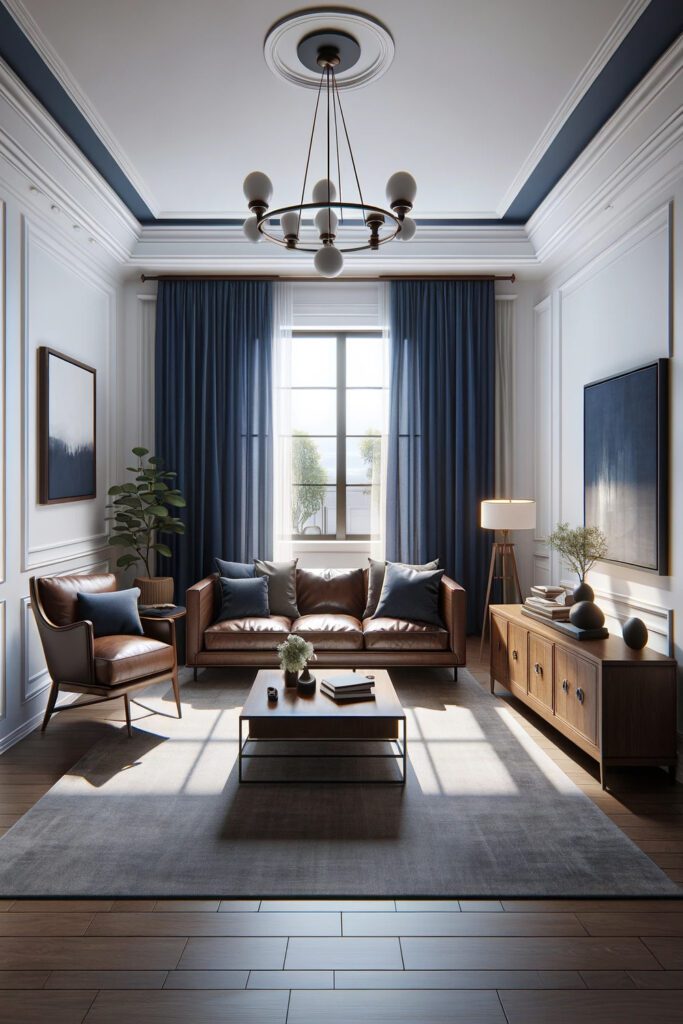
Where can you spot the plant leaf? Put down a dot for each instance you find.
(155, 460)
(157, 510)
(163, 549)
(122, 540)
(140, 451)
(176, 500)
(116, 489)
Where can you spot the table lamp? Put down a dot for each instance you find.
(504, 514)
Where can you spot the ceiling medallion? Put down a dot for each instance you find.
(329, 56)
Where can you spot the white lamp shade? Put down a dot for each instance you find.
(328, 261)
(326, 222)
(289, 222)
(401, 186)
(320, 191)
(508, 514)
(250, 228)
(408, 228)
(257, 187)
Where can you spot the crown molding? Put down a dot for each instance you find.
(48, 54)
(499, 247)
(637, 150)
(46, 158)
(609, 45)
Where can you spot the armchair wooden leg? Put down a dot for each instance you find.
(51, 701)
(194, 674)
(126, 704)
(176, 691)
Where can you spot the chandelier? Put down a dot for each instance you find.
(320, 226)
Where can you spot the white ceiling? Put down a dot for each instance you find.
(182, 96)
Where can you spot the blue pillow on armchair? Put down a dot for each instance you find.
(112, 612)
(410, 594)
(243, 597)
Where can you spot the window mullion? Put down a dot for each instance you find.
(341, 436)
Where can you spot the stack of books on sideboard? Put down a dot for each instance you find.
(548, 603)
(349, 689)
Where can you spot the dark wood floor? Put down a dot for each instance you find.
(303, 962)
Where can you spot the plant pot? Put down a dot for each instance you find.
(584, 592)
(291, 678)
(155, 589)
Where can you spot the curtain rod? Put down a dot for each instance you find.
(308, 280)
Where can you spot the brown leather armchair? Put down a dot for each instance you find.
(106, 666)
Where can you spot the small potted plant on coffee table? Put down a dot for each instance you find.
(294, 654)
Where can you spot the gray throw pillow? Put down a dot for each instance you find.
(410, 594)
(281, 586)
(243, 597)
(376, 579)
(234, 570)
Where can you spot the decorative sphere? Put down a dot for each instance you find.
(250, 228)
(326, 222)
(320, 191)
(257, 187)
(328, 261)
(634, 632)
(584, 592)
(401, 186)
(586, 615)
(408, 229)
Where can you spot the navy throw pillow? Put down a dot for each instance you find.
(410, 594)
(112, 613)
(234, 570)
(376, 570)
(242, 598)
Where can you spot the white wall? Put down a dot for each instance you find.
(61, 290)
(615, 306)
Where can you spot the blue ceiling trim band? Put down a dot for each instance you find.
(656, 30)
(29, 66)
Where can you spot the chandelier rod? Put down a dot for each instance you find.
(308, 156)
(329, 183)
(348, 143)
(336, 142)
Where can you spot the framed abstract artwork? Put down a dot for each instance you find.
(626, 479)
(67, 450)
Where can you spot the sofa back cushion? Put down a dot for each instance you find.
(58, 594)
(330, 592)
(281, 586)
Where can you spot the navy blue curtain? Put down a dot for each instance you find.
(441, 429)
(213, 416)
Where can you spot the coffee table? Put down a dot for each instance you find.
(318, 719)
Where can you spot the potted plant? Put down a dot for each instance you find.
(581, 547)
(294, 653)
(139, 513)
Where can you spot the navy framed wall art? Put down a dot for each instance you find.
(626, 451)
(67, 449)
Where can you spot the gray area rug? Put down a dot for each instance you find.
(484, 813)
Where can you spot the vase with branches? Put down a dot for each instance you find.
(139, 514)
(581, 547)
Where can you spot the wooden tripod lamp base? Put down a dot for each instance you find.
(504, 514)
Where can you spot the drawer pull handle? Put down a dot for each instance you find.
(538, 669)
(514, 655)
(565, 685)
(580, 695)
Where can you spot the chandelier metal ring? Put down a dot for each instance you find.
(300, 207)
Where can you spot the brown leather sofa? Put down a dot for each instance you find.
(331, 604)
(107, 666)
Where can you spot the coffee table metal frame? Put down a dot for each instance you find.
(401, 752)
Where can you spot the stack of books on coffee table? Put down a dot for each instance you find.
(349, 689)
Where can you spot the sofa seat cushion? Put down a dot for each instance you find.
(385, 634)
(250, 633)
(330, 632)
(119, 659)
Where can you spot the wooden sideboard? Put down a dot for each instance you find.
(616, 704)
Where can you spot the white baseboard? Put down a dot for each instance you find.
(31, 723)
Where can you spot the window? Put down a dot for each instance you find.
(335, 401)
